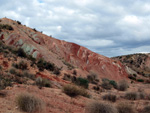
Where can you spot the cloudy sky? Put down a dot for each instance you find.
(108, 27)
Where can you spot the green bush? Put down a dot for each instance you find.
(100, 107)
(29, 103)
(125, 108)
(82, 82)
(113, 83)
(74, 91)
(140, 80)
(110, 97)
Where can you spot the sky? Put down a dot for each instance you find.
(107, 27)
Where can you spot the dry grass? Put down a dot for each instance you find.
(125, 108)
(131, 95)
(73, 91)
(100, 107)
(123, 85)
(110, 97)
(29, 103)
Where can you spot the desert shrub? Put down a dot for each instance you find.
(141, 95)
(19, 22)
(110, 97)
(28, 75)
(42, 64)
(70, 67)
(21, 65)
(132, 77)
(67, 77)
(100, 107)
(92, 78)
(29, 103)
(131, 95)
(74, 72)
(113, 83)
(74, 91)
(146, 109)
(97, 88)
(4, 82)
(125, 108)
(20, 52)
(148, 96)
(106, 85)
(56, 71)
(12, 71)
(82, 82)
(3, 93)
(140, 80)
(123, 85)
(42, 82)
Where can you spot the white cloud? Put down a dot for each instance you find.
(108, 27)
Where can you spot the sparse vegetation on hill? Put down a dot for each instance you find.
(6, 26)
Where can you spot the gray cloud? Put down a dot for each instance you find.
(107, 27)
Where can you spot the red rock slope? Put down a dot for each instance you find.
(57, 51)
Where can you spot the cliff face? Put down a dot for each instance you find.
(59, 52)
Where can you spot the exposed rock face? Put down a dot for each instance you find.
(140, 63)
(57, 51)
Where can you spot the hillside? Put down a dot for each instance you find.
(138, 64)
(63, 54)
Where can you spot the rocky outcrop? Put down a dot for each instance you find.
(58, 51)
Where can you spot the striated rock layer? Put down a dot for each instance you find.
(59, 52)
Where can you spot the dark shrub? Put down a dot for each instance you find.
(21, 53)
(21, 65)
(29, 103)
(100, 107)
(42, 64)
(12, 71)
(146, 109)
(74, 72)
(19, 22)
(6, 26)
(110, 97)
(56, 71)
